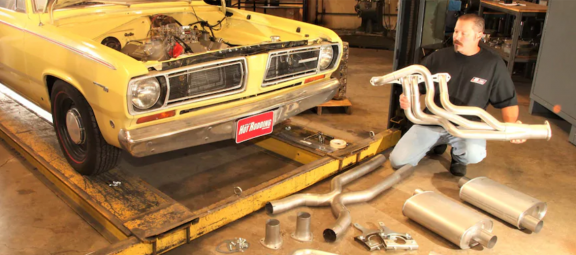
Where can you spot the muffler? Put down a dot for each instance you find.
(453, 221)
(512, 206)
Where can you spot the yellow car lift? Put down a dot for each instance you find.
(138, 218)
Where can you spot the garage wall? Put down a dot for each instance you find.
(333, 6)
(347, 6)
(295, 14)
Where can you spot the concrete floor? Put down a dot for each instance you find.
(34, 221)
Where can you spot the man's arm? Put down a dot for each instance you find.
(503, 96)
(510, 113)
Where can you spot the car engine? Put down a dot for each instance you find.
(167, 39)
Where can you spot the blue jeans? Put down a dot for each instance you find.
(419, 139)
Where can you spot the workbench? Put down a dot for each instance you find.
(519, 12)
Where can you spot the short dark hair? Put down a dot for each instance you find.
(478, 21)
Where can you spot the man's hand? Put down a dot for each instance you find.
(404, 102)
(518, 141)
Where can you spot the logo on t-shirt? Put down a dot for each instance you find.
(479, 80)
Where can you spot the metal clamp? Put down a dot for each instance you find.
(370, 238)
(391, 237)
(233, 245)
(385, 238)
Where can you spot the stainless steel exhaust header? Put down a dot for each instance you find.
(453, 221)
(512, 206)
(489, 129)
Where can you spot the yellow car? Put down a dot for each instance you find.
(156, 76)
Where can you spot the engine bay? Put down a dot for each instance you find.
(167, 38)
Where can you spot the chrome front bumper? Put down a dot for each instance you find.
(221, 125)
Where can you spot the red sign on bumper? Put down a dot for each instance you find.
(254, 126)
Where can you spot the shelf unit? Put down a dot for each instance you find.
(278, 4)
(519, 12)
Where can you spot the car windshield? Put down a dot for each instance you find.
(41, 4)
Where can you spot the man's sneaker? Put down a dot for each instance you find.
(439, 149)
(457, 168)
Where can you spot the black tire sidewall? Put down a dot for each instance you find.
(60, 92)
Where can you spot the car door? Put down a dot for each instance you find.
(13, 18)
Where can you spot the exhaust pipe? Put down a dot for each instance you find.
(441, 113)
(455, 222)
(531, 131)
(512, 206)
(490, 129)
(407, 73)
(285, 204)
(340, 201)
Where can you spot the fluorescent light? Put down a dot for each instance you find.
(24, 102)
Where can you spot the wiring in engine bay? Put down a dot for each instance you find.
(167, 38)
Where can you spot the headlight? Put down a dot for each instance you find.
(145, 93)
(326, 56)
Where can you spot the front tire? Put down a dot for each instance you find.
(78, 134)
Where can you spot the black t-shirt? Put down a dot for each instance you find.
(476, 80)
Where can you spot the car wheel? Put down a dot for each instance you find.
(78, 134)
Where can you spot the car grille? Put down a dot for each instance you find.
(290, 64)
(213, 79)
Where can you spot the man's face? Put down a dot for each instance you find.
(465, 36)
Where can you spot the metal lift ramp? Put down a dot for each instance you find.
(138, 218)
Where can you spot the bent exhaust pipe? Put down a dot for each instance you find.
(429, 101)
(523, 130)
(490, 129)
(465, 132)
(285, 204)
(453, 221)
(344, 220)
(512, 206)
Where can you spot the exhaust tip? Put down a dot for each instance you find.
(269, 208)
(329, 235)
(532, 223)
(492, 242)
(463, 181)
(539, 227)
(486, 239)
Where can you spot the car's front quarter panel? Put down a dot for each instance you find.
(99, 73)
(12, 65)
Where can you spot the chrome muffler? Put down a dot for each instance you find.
(512, 206)
(453, 221)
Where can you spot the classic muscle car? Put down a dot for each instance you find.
(156, 76)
